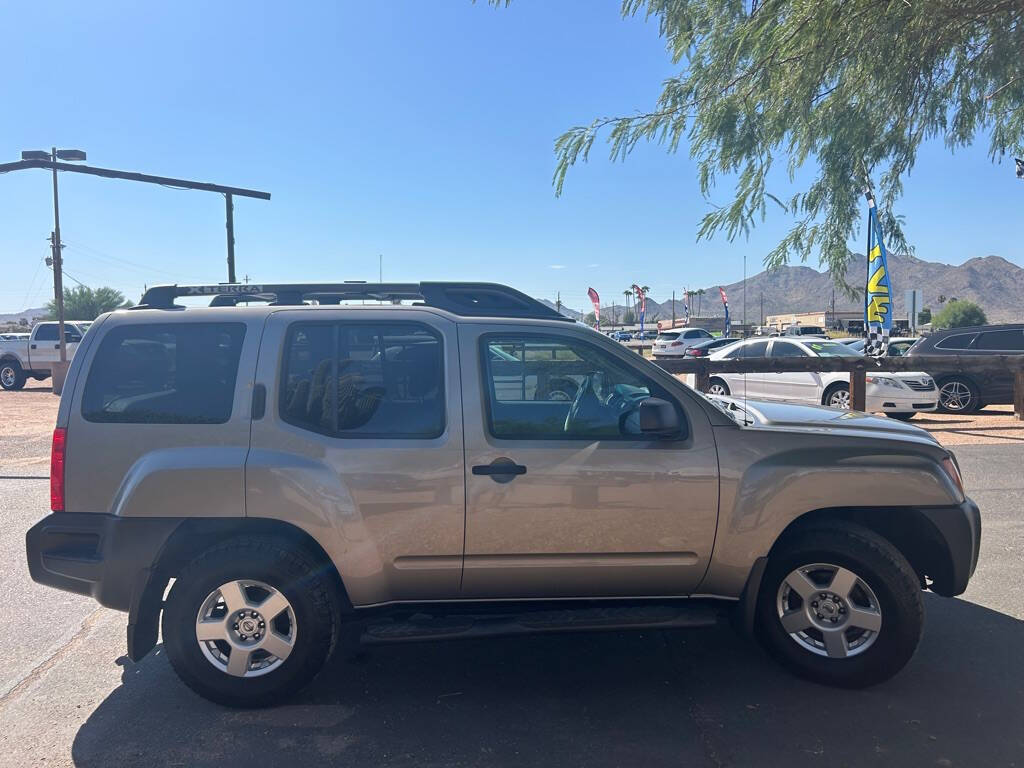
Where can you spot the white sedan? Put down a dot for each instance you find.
(899, 395)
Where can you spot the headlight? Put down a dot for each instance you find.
(884, 381)
(953, 472)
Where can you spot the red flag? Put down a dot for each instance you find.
(595, 299)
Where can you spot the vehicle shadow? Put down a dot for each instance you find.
(702, 697)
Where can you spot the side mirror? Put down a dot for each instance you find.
(658, 418)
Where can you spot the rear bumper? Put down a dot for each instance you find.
(104, 556)
(959, 529)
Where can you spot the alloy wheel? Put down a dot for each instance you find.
(955, 396)
(829, 610)
(246, 628)
(840, 399)
(8, 376)
(717, 389)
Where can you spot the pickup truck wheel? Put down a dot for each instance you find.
(12, 377)
(840, 606)
(249, 622)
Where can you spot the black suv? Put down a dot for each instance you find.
(967, 392)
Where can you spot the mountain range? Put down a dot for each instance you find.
(994, 283)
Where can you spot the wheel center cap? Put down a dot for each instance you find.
(249, 625)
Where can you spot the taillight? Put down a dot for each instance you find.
(57, 451)
(676, 344)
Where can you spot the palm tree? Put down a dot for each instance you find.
(700, 293)
(628, 293)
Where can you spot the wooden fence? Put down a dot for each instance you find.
(858, 368)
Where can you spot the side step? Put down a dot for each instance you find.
(424, 626)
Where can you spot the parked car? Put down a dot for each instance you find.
(899, 395)
(645, 335)
(675, 342)
(705, 348)
(34, 356)
(898, 346)
(966, 392)
(806, 330)
(621, 335)
(272, 483)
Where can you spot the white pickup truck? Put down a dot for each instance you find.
(35, 356)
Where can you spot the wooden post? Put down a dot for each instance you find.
(702, 379)
(857, 387)
(1018, 396)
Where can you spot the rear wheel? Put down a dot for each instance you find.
(837, 396)
(11, 375)
(718, 387)
(958, 395)
(840, 605)
(249, 622)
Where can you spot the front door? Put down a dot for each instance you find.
(792, 386)
(565, 497)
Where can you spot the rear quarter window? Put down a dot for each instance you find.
(1008, 340)
(956, 341)
(168, 373)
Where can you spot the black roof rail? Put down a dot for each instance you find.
(466, 299)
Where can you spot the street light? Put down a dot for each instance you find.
(60, 369)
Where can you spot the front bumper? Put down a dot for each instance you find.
(959, 531)
(104, 556)
(887, 400)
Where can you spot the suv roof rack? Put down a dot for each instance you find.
(466, 299)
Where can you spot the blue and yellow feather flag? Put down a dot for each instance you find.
(878, 291)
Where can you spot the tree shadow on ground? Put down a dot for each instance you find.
(701, 697)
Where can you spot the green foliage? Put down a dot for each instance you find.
(924, 316)
(848, 87)
(590, 318)
(959, 314)
(84, 303)
(628, 318)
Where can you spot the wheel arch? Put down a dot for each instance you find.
(192, 537)
(908, 529)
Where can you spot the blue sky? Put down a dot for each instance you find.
(422, 131)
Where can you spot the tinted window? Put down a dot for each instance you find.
(1011, 341)
(757, 349)
(165, 374)
(364, 380)
(785, 349)
(46, 333)
(956, 341)
(555, 388)
(671, 336)
(831, 349)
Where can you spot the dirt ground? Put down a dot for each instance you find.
(27, 418)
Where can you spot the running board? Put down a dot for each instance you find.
(425, 626)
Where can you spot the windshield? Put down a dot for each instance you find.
(831, 349)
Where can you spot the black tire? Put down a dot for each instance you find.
(40, 376)
(966, 392)
(837, 387)
(12, 377)
(719, 382)
(879, 565)
(288, 569)
(903, 415)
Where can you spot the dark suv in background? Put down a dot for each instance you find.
(967, 392)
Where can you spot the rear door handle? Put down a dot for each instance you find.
(501, 470)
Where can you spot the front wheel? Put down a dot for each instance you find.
(718, 388)
(841, 606)
(902, 415)
(837, 396)
(249, 622)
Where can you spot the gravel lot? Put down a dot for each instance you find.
(69, 696)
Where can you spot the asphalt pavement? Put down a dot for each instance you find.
(68, 695)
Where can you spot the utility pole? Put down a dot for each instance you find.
(60, 371)
(762, 307)
(673, 308)
(229, 206)
(558, 302)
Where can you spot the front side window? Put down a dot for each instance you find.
(351, 380)
(171, 373)
(46, 333)
(755, 349)
(543, 388)
(956, 341)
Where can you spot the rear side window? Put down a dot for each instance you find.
(364, 380)
(757, 349)
(785, 349)
(174, 373)
(1010, 341)
(956, 341)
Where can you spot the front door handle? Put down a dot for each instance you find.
(501, 470)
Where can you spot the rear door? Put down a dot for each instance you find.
(998, 387)
(360, 445)
(797, 387)
(567, 499)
